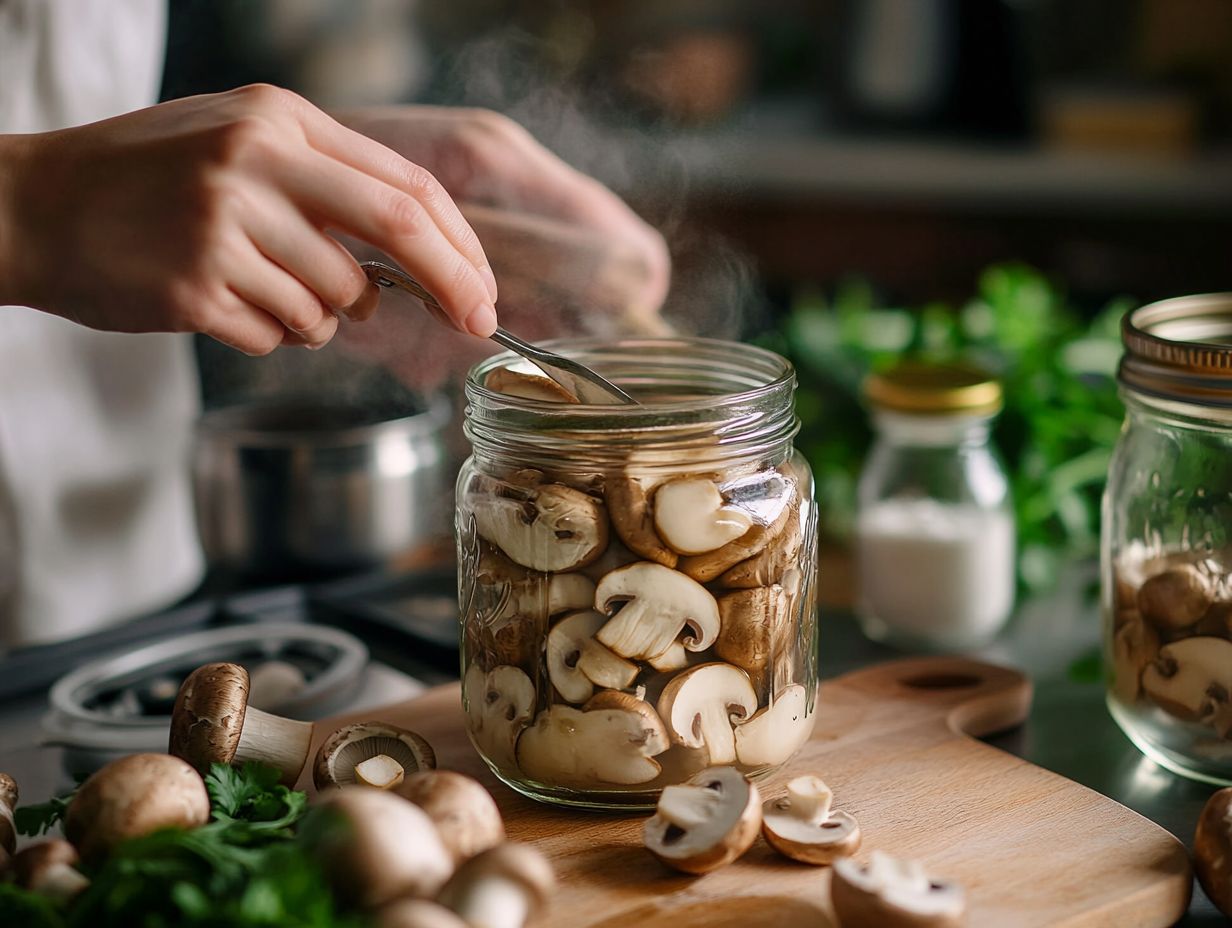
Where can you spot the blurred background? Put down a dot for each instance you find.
(844, 181)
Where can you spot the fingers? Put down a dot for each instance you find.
(244, 327)
(259, 282)
(399, 224)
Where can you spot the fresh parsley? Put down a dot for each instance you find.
(252, 804)
(40, 818)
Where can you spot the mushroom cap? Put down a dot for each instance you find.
(382, 848)
(889, 893)
(463, 811)
(1175, 598)
(8, 802)
(417, 913)
(705, 823)
(511, 862)
(499, 704)
(1212, 849)
(350, 745)
(134, 796)
(802, 826)
(48, 868)
(208, 717)
(774, 514)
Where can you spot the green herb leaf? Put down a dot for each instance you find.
(40, 818)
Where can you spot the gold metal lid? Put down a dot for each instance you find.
(1180, 349)
(934, 389)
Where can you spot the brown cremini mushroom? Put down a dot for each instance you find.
(612, 739)
(802, 825)
(628, 505)
(49, 868)
(8, 805)
(463, 811)
(341, 754)
(1135, 646)
(503, 887)
(417, 913)
(1174, 599)
(548, 527)
(755, 625)
(889, 893)
(134, 796)
(706, 822)
(1212, 850)
(212, 723)
(376, 847)
(768, 566)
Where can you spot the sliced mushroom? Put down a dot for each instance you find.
(691, 516)
(755, 625)
(1213, 850)
(706, 567)
(376, 847)
(1190, 677)
(628, 505)
(611, 740)
(802, 826)
(769, 565)
(705, 823)
(212, 723)
(340, 755)
(656, 604)
(549, 527)
(577, 662)
(8, 804)
(417, 913)
(463, 811)
(700, 704)
(775, 733)
(616, 555)
(1135, 646)
(1174, 599)
(674, 658)
(499, 704)
(49, 868)
(528, 386)
(504, 887)
(889, 893)
(132, 797)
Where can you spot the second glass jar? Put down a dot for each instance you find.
(637, 583)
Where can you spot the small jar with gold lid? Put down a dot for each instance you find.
(1166, 537)
(935, 528)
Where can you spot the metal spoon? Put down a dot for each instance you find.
(578, 380)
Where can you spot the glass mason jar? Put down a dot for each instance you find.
(636, 583)
(1166, 545)
(934, 524)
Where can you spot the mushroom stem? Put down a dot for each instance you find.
(274, 740)
(495, 903)
(810, 799)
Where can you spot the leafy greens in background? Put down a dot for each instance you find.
(1062, 413)
(248, 867)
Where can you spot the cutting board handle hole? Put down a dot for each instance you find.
(942, 681)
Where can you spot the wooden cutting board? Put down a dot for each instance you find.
(895, 742)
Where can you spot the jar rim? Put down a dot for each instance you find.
(1180, 349)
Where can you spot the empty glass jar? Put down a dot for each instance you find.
(636, 582)
(1167, 538)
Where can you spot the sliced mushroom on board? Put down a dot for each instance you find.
(706, 822)
(692, 517)
(656, 604)
(212, 723)
(612, 740)
(890, 893)
(803, 826)
(549, 527)
(700, 705)
(775, 733)
(340, 755)
(576, 662)
(499, 704)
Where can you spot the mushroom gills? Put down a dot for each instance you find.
(802, 826)
(705, 823)
(366, 746)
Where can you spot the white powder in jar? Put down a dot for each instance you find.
(934, 571)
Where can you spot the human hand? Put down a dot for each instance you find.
(213, 214)
(570, 256)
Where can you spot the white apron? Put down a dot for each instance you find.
(96, 520)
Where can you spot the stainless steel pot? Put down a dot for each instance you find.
(290, 488)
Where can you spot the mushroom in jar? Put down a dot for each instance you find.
(629, 506)
(653, 605)
(890, 893)
(1135, 646)
(577, 663)
(775, 514)
(132, 797)
(1192, 678)
(706, 822)
(499, 704)
(755, 624)
(1174, 599)
(699, 706)
(803, 826)
(548, 527)
(370, 754)
(768, 566)
(212, 723)
(775, 733)
(692, 517)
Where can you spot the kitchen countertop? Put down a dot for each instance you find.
(1069, 730)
